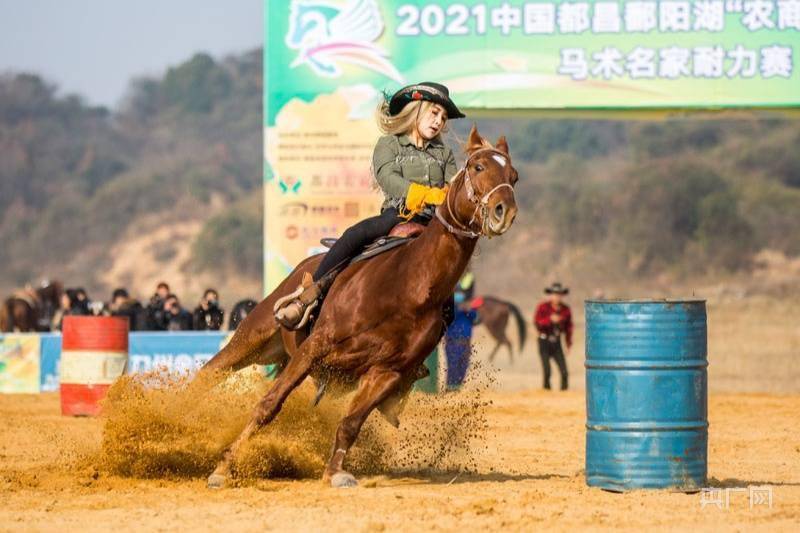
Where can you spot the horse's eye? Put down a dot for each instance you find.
(478, 167)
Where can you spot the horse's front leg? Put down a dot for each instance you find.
(375, 386)
(266, 410)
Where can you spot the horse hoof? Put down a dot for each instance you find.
(216, 481)
(343, 480)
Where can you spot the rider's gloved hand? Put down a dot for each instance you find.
(420, 195)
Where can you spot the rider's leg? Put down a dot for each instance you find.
(350, 243)
(355, 238)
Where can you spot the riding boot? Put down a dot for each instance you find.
(293, 311)
(290, 313)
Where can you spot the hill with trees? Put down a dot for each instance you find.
(169, 184)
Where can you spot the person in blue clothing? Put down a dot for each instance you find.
(458, 339)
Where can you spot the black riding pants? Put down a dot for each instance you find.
(356, 237)
(552, 350)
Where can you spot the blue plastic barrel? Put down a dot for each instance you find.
(646, 394)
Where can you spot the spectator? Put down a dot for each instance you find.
(155, 312)
(80, 302)
(123, 305)
(177, 318)
(65, 304)
(208, 314)
(71, 304)
(86, 304)
(553, 320)
(458, 337)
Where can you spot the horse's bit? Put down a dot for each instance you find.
(481, 204)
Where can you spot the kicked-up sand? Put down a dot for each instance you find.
(473, 460)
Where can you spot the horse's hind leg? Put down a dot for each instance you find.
(494, 351)
(257, 339)
(263, 349)
(266, 410)
(375, 386)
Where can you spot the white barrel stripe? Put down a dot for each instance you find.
(92, 367)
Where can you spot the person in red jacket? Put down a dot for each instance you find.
(553, 320)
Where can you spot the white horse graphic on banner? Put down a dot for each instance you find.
(326, 35)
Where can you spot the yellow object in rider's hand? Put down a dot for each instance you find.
(435, 196)
(420, 195)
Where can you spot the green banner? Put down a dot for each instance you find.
(541, 54)
(327, 64)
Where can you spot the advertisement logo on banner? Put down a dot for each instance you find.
(19, 363)
(326, 35)
(289, 185)
(323, 143)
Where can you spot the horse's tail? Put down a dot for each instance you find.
(7, 322)
(522, 327)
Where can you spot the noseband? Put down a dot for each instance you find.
(481, 204)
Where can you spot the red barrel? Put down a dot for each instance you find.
(94, 351)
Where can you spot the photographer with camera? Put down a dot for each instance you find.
(156, 312)
(208, 315)
(123, 305)
(177, 318)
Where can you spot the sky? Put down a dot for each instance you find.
(94, 47)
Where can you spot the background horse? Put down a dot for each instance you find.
(381, 318)
(239, 312)
(494, 314)
(31, 309)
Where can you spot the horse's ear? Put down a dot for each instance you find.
(474, 141)
(502, 144)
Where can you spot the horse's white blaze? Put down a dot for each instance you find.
(500, 159)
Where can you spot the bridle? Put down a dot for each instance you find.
(481, 204)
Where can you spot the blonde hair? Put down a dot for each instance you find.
(404, 122)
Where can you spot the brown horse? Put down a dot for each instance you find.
(31, 309)
(381, 318)
(494, 314)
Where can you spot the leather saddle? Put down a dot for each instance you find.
(400, 234)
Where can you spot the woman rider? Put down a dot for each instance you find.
(412, 167)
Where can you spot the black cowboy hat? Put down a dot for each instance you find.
(428, 90)
(556, 288)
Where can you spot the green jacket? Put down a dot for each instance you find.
(397, 163)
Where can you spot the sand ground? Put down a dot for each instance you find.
(529, 476)
(528, 463)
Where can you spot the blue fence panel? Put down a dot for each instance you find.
(50, 358)
(174, 351)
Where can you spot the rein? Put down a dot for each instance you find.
(481, 204)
